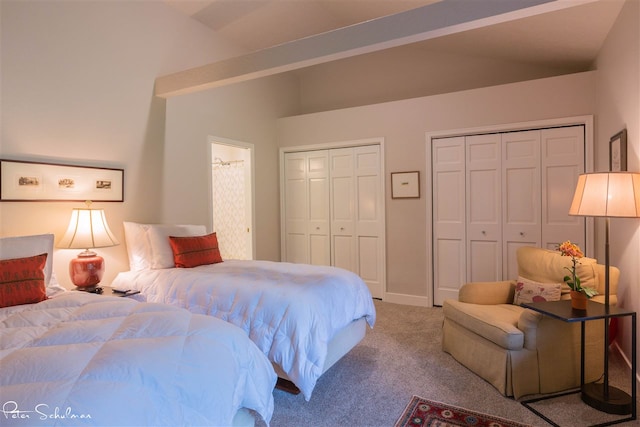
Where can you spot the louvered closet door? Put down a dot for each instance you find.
(484, 213)
(449, 217)
(562, 162)
(307, 207)
(521, 206)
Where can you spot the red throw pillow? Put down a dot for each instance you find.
(22, 280)
(194, 251)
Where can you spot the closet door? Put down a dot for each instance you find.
(369, 218)
(343, 244)
(306, 177)
(562, 162)
(484, 208)
(521, 197)
(449, 217)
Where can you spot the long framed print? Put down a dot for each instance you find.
(618, 152)
(34, 181)
(405, 185)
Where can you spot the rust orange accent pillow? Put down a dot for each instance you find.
(22, 280)
(194, 251)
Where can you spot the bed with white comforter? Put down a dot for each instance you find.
(82, 359)
(291, 311)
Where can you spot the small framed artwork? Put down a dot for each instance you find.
(22, 181)
(618, 152)
(405, 185)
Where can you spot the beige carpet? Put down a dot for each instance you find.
(402, 357)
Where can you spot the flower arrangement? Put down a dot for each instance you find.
(573, 281)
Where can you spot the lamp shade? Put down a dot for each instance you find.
(607, 194)
(87, 229)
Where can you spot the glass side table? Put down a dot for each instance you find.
(600, 396)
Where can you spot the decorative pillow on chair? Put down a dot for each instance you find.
(194, 251)
(22, 280)
(530, 291)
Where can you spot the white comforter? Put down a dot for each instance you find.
(82, 359)
(290, 311)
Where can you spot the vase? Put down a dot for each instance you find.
(578, 300)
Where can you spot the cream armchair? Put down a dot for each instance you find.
(519, 351)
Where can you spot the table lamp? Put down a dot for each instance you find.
(608, 195)
(88, 229)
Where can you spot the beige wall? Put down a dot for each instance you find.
(407, 72)
(618, 107)
(77, 87)
(403, 125)
(245, 112)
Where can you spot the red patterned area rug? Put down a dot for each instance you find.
(422, 412)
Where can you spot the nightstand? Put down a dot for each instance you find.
(107, 291)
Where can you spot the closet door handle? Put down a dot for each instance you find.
(522, 233)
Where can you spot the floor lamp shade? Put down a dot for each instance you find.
(88, 229)
(608, 195)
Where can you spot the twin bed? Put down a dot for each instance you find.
(82, 359)
(303, 317)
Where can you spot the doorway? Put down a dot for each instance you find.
(232, 197)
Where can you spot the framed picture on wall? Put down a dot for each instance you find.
(22, 181)
(618, 152)
(405, 185)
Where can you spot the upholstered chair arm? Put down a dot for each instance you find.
(528, 324)
(614, 277)
(487, 293)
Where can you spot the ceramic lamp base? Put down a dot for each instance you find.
(86, 270)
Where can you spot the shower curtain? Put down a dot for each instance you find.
(229, 209)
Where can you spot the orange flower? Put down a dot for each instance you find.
(570, 249)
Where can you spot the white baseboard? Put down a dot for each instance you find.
(627, 361)
(406, 299)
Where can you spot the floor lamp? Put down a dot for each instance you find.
(608, 195)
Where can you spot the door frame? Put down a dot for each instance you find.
(586, 121)
(251, 149)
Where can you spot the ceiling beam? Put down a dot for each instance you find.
(423, 23)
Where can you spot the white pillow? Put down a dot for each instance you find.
(27, 246)
(530, 291)
(138, 248)
(158, 234)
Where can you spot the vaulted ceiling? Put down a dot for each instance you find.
(284, 35)
(572, 35)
